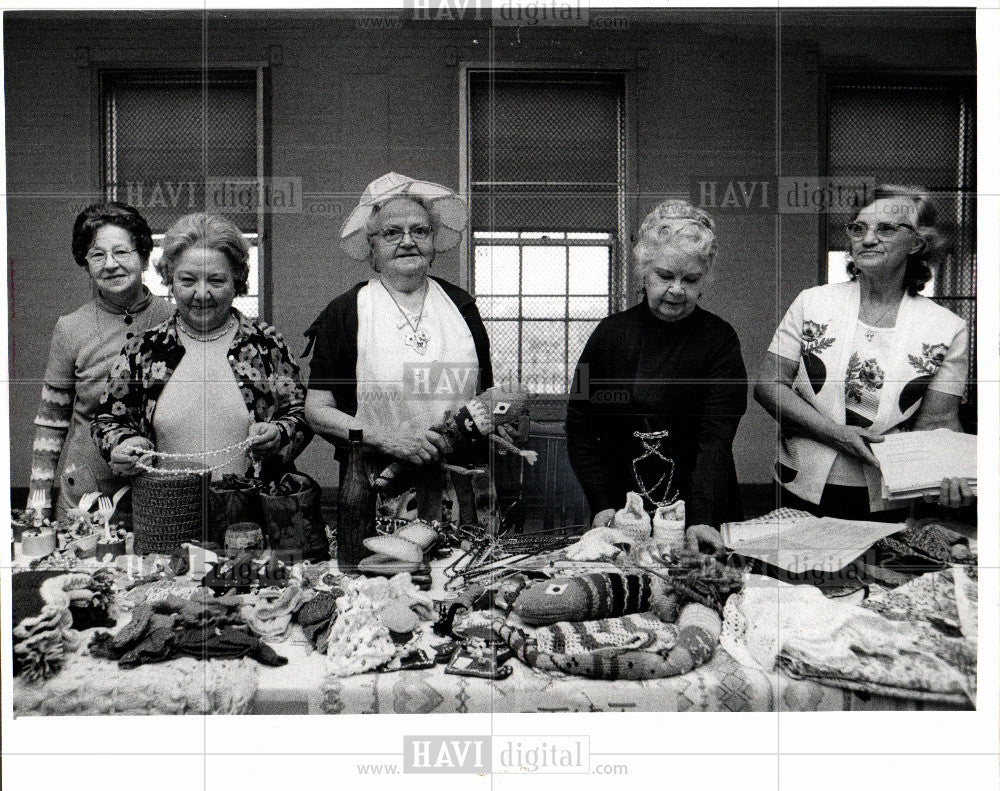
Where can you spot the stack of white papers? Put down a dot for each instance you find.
(799, 542)
(913, 463)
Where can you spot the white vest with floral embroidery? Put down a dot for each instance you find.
(829, 320)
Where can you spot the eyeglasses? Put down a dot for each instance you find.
(418, 233)
(119, 254)
(884, 231)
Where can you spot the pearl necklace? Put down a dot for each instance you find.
(206, 338)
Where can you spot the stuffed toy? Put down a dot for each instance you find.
(634, 647)
(465, 434)
(584, 598)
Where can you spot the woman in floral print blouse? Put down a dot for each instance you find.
(208, 378)
(853, 361)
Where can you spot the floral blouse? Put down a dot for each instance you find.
(265, 373)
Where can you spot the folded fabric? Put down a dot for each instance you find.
(270, 612)
(46, 606)
(635, 647)
(394, 547)
(598, 544)
(358, 639)
(799, 542)
(837, 642)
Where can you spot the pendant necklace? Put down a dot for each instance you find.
(417, 337)
(870, 332)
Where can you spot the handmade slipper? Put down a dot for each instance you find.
(394, 547)
(386, 565)
(421, 534)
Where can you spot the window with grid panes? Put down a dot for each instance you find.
(912, 133)
(546, 169)
(169, 138)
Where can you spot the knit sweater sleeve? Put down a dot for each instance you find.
(582, 428)
(55, 412)
(725, 402)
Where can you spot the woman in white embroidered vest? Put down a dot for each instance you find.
(111, 243)
(853, 361)
(395, 352)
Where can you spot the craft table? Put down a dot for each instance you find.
(720, 685)
(302, 687)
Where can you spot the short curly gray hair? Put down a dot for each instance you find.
(212, 232)
(676, 224)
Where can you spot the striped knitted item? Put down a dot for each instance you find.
(55, 412)
(636, 631)
(584, 598)
(678, 648)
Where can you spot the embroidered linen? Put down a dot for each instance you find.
(837, 642)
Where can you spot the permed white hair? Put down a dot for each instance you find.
(679, 225)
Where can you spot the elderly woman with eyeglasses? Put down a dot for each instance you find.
(671, 371)
(853, 361)
(208, 382)
(395, 352)
(111, 243)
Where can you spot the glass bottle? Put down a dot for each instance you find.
(355, 507)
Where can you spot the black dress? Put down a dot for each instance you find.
(639, 373)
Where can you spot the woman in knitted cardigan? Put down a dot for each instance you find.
(111, 243)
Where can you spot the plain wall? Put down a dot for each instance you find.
(714, 95)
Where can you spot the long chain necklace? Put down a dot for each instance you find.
(651, 443)
(417, 337)
(239, 447)
(206, 338)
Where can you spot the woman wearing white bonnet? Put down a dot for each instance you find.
(395, 352)
(664, 365)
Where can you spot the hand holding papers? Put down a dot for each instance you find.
(913, 463)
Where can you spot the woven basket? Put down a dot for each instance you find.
(167, 511)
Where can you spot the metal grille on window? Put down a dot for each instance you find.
(547, 195)
(913, 134)
(185, 142)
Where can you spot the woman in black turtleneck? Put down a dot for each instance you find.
(664, 365)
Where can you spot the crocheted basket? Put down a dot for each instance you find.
(167, 511)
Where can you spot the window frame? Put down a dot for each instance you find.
(622, 282)
(102, 72)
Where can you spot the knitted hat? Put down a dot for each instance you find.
(448, 212)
